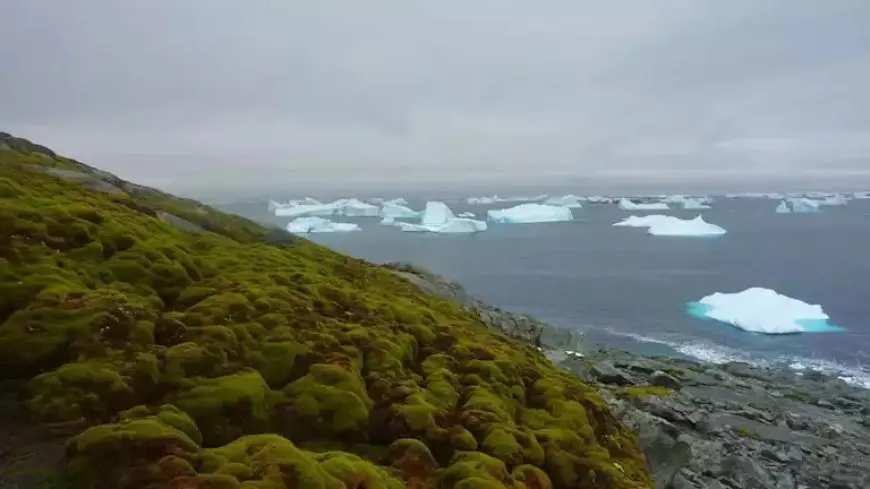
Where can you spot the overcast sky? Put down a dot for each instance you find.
(219, 93)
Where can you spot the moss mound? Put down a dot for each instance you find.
(213, 356)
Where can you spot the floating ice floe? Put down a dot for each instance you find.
(628, 205)
(570, 201)
(343, 207)
(836, 199)
(438, 218)
(356, 208)
(398, 211)
(312, 224)
(530, 213)
(660, 225)
(299, 210)
(467, 215)
(695, 204)
(801, 204)
(761, 310)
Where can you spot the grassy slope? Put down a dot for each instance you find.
(221, 360)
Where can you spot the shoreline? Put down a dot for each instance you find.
(706, 425)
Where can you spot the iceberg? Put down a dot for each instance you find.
(834, 200)
(355, 208)
(398, 211)
(467, 215)
(761, 310)
(804, 205)
(783, 208)
(396, 201)
(482, 200)
(438, 218)
(304, 225)
(388, 220)
(569, 201)
(659, 225)
(530, 213)
(299, 210)
(628, 205)
(694, 204)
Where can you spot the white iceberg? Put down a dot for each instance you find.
(569, 201)
(388, 220)
(303, 225)
(659, 225)
(803, 205)
(530, 213)
(355, 208)
(783, 208)
(398, 211)
(694, 204)
(438, 218)
(467, 215)
(298, 210)
(628, 205)
(396, 201)
(762, 310)
(482, 200)
(834, 200)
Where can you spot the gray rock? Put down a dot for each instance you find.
(662, 379)
(605, 372)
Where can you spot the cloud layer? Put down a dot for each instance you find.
(212, 93)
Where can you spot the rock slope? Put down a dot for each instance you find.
(167, 344)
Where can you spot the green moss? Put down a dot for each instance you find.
(745, 432)
(116, 310)
(227, 407)
(637, 392)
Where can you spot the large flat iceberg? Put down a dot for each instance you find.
(801, 204)
(660, 225)
(628, 205)
(303, 225)
(761, 310)
(530, 213)
(438, 218)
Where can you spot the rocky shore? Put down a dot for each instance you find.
(706, 426)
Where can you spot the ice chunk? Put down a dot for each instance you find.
(388, 220)
(398, 211)
(628, 205)
(530, 213)
(836, 199)
(396, 201)
(783, 208)
(762, 310)
(569, 201)
(438, 218)
(467, 215)
(685, 227)
(659, 225)
(436, 214)
(694, 204)
(298, 210)
(356, 208)
(803, 205)
(312, 224)
(482, 200)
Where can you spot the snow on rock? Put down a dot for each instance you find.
(761, 310)
(398, 211)
(570, 201)
(530, 213)
(312, 224)
(438, 218)
(659, 225)
(628, 205)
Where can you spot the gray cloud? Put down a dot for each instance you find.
(205, 93)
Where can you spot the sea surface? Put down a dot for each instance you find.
(626, 289)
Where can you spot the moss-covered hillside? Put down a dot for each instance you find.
(184, 348)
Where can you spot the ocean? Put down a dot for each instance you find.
(625, 289)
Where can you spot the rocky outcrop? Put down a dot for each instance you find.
(736, 426)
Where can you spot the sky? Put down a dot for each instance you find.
(220, 95)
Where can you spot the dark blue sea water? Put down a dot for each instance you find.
(629, 290)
